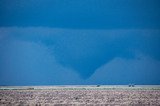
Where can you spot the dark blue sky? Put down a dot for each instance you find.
(47, 42)
(81, 14)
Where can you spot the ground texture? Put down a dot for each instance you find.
(80, 97)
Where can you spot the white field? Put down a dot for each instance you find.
(90, 95)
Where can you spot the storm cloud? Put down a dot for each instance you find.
(45, 52)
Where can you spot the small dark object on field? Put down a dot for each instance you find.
(30, 88)
(38, 104)
(76, 98)
(131, 85)
(98, 85)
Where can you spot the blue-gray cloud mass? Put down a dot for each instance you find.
(81, 14)
(44, 42)
(42, 52)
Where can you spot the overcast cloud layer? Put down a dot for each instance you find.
(81, 14)
(41, 55)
